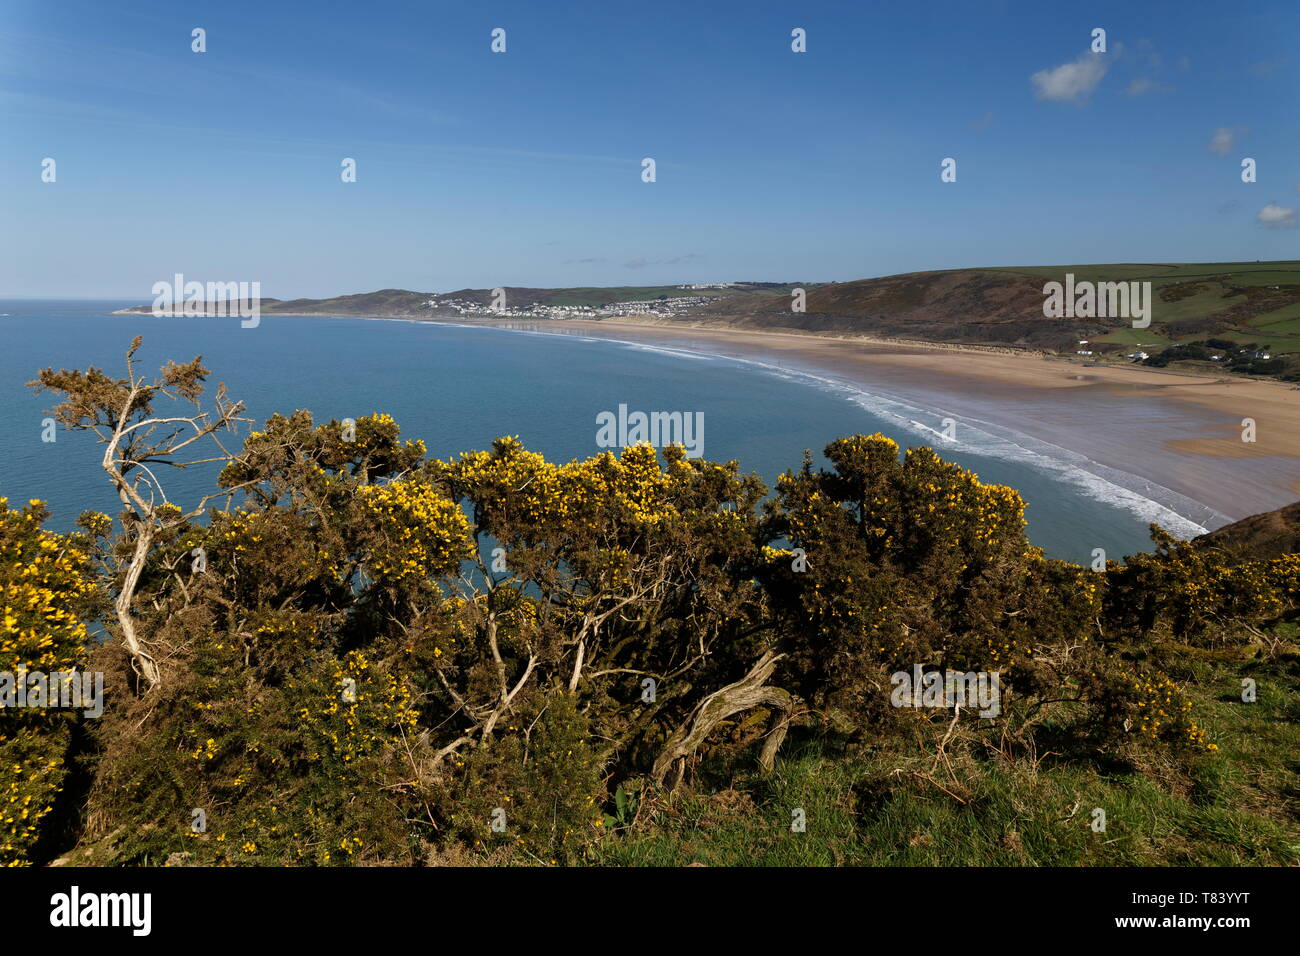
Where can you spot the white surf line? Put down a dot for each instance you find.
(570, 336)
(1097, 481)
(1135, 493)
(1056, 462)
(677, 353)
(927, 428)
(1062, 464)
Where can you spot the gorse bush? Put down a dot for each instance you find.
(915, 561)
(1200, 596)
(537, 790)
(47, 588)
(361, 655)
(297, 772)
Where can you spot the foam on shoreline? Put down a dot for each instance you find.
(1182, 516)
(1149, 501)
(1176, 513)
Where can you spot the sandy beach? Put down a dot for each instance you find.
(1180, 432)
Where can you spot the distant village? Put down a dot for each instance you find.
(665, 306)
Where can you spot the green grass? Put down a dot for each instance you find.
(1210, 300)
(1095, 273)
(1204, 290)
(1237, 806)
(1280, 272)
(1268, 277)
(1284, 321)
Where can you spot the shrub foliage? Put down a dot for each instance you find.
(364, 655)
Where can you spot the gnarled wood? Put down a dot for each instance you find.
(748, 692)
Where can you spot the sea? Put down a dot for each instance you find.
(458, 387)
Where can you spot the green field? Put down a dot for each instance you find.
(1283, 271)
(1248, 302)
(1284, 321)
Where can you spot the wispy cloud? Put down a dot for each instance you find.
(1070, 82)
(1267, 67)
(1140, 86)
(100, 67)
(641, 263)
(1224, 138)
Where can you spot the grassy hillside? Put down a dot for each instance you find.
(893, 803)
(1268, 535)
(896, 805)
(977, 306)
(1249, 302)
(1257, 302)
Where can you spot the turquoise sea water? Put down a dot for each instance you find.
(457, 388)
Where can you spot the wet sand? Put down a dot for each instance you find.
(1180, 432)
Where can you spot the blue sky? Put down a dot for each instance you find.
(524, 168)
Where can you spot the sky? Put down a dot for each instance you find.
(524, 168)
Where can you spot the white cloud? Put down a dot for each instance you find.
(1268, 67)
(1277, 217)
(1070, 81)
(1140, 86)
(1223, 140)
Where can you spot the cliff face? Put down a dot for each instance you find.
(1259, 537)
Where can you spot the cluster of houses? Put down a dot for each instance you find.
(1139, 355)
(1257, 354)
(665, 307)
(530, 310)
(1136, 356)
(678, 305)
